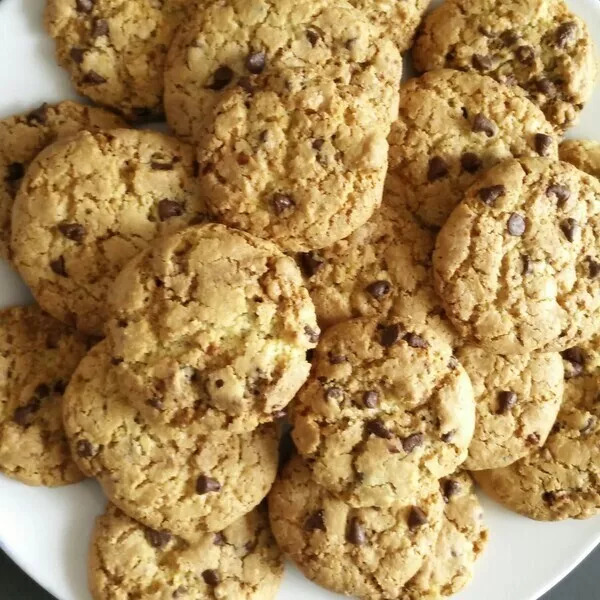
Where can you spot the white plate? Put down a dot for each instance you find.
(46, 531)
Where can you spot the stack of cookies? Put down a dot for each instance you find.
(407, 274)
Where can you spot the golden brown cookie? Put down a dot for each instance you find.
(584, 154)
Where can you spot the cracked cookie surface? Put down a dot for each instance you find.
(37, 356)
(517, 398)
(128, 560)
(169, 477)
(584, 154)
(366, 552)
(386, 410)
(88, 204)
(23, 137)
(539, 45)
(451, 127)
(517, 262)
(561, 480)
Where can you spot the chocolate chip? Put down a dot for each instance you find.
(205, 485)
(58, 266)
(243, 159)
(316, 521)
(59, 387)
(93, 78)
(481, 62)
(318, 144)
(336, 359)
(549, 498)
(14, 172)
(389, 335)
(415, 341)
(527, 265)
(222, 77)
(256, 62)
(100, 28)
(543, 144)
(416, 518)
(312, 36)
(168, 209)
(489, 195)
(310, 263)
(157, 539)
(450, 488)
(506, 400)
(447, 437)
(84, 449)
(509, 37)
(566, 34)
(334, 393)
(593, 267)
(379, 289)
(281, 203)
(377, 428)
(219, 539)
(39, 115)
(22, 415)
(482, 124)
(470, 162)
(77, 55)
(313, 336)
(370, 399)
(576, 357)
(561, 192)
(161, 166)
(84, 6)
(546, 87)
(355, 533)
(569, 227)
(525, 55)
(42, 391)
(412, 441)
(72, 231)
(211, 577)
(516, 225)
(437, 168)
(533, 439)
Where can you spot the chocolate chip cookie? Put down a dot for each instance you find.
(37, 357)
(24, 136)
(538, 45)
(451, 127)
(584, 154)
(517, 263)
(387, 409)
(88, 204)
(128, 560)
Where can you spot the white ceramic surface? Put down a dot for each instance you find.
(46, 531)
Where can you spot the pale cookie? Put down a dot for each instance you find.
(462, 539)
(23, 137)
(212, 325)
(538, 44)
(168, 477)
(299, 159)
(128, 560)
(369, 553)
(386, 410)
(88, 204)
(115, 50)
(451, 127)
(517, 263)
(562, 479)
(584, 154)
(37, 357)
(517, 398)
(230, 42)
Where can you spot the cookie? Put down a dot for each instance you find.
(171, 477)
(299, 159)
(517, 398)
(115, 50)
(37, 357)
(24, 136)
(128, 560)
(88, 204)
(386, 410)
(367, 552)
(538, 45)
(461, 541)
(584, 154)
(211, 326)
(451, 127)
(517, 263)
(231, 42)
(562, 479)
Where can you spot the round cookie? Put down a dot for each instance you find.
(451, 127)
(462, 539)
(115, 50)
(584, 154)
(539, 45)
(88, 204)
(366, 552)
(517, 262)
(127, 560)
(386, 410)
(517, 398)
(37, 357)
(24, 136)
(169, 477)
(211, 326)
(562, 479)
(231, 42)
